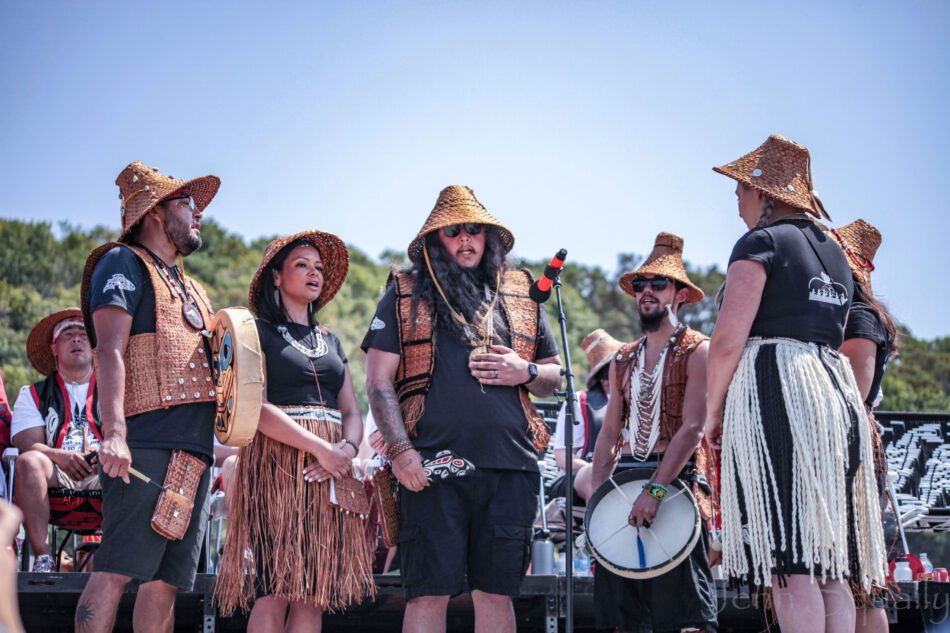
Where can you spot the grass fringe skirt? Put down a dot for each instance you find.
(284, 539)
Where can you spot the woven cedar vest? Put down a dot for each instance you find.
(417, 344)
(671, 398)
(169, 366)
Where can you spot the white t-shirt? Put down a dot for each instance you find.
(27, 416)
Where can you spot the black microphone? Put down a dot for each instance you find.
(541, 289)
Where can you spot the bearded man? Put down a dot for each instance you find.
(658, 397)
(454, 350)
(147, 322)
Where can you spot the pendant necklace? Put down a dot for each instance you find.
(189, 307)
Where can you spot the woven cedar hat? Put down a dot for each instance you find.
(779, 168)
(40, 341)
(457, 204)
(142, 187)
(336, 263)
(666, 260)
(859, 241)
(600, 347)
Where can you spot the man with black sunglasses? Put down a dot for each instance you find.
(454, 349)
(657, 398)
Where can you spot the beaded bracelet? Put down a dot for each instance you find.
(398, 448)
(655, 490)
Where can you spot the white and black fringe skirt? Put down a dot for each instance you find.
(798, 488)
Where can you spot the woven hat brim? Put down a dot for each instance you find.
(458, 214)
(853, 235)
(782, 196)
(603, 362)
(202, 190)
(336, 265)
(38, 343)
(660, 268)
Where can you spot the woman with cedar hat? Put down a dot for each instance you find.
(870, 341)
(306, 546)
(799, 501)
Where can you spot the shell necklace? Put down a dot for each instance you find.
(319, 349)
(645, 392)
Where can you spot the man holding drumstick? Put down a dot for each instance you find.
(657, 393)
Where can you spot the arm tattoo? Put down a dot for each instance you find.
(85, 614)
(386, 412)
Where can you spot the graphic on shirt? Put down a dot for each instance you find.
(119, 281)
(52, 423)
(827, 290)
(377, 324)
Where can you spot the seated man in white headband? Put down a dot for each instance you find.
(55, 424)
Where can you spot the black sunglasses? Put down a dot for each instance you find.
(455, 229)
(657, 283)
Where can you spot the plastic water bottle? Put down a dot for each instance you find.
(581, 563)
(902, 571)
(928, 566)
(561, 564)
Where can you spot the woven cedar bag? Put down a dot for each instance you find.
(386, 497)
(172, 513)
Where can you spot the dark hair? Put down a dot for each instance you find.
(265, 303)
(864, 294)
(463, 287)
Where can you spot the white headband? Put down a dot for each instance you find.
(65, 324)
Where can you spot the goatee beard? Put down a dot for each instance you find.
(652, 322)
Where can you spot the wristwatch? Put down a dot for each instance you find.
(532, 373)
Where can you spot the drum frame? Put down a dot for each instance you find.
(677, 486)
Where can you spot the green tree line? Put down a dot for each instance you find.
(41, 270)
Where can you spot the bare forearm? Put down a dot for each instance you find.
(680, 450)
(723, 360)
(547, 382)
(605, 457)
(111, 384)
(386, 411)
(353, 427)
(277, 425)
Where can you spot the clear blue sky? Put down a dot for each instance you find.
(585, 125)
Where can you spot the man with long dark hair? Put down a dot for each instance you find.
(454, 349)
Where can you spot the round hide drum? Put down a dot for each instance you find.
(238, 375)
(641, 552)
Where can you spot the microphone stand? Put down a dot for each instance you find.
(571, 401)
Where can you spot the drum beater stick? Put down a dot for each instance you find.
(176, 497)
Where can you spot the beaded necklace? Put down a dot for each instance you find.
(645, 392)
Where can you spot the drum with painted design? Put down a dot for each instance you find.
(238, 375)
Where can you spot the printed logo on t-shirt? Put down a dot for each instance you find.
(119, 281)
(827, 290)
(52, 421)
(377, 324)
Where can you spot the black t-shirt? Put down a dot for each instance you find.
(121, 280)
(864, 322)
(487, 428)
(290, 379)
(808, 287)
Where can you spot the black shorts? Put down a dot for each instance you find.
(130, 546)
(468, 533)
